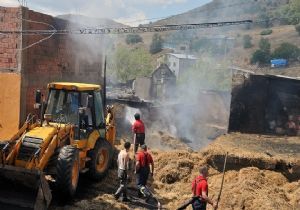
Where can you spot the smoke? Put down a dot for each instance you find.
(199, 112)
(129, 114)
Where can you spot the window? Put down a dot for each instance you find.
(86, 101)
(63, 106)
(98, 108)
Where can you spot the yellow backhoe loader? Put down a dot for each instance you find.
(69, 138)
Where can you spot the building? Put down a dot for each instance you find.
(28, 64)
(178, 63)
(160, 85)
(163, 82)
(265, 104)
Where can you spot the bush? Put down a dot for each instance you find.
(266, 32)
(265, 45)
(247, 41)
(260, 57)
(133, 38)
(286, 51)
(156, 45)
(297, 27)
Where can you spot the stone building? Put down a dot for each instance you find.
(159, 86)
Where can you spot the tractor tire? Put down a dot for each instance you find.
(67, 172)
(101, 158)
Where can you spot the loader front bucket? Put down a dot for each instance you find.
(23, 189)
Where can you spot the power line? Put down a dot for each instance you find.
(41, 40)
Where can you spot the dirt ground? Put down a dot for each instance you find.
(263, 173)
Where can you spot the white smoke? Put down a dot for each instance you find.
(129, 114)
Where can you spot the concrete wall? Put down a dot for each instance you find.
(60, 58)
(9, 104)
(10, 77)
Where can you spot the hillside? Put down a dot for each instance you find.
(224, 10)
(89, 21)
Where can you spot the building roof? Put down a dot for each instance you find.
(163, 66)
(73, 86)
(183, 56)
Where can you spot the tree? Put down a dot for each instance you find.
(260, 57)
(291, 12)
(297, 27)
(206, 74)
(264, 20)
(156, 45)
(133, 38)
(286, 51)
(263, 55)
(265, 45)
(247, 41)
(129, 63)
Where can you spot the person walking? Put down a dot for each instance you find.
(138, 129)
(144, 166)
(200, 191)
(123, 166)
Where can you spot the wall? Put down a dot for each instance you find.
(264, 104)
(171, 59)
(142, 87)
(10, 78)
(60, 58)
(9, 43)
(163, 83)
(9, 104)
(56, 59)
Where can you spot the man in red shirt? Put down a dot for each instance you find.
(143, 162)
(138, 129)
(200, 191)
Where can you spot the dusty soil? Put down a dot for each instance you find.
(254, 179)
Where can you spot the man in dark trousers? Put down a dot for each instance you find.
(143, 162)
(138, 129)
(200, 191)
(123, 166)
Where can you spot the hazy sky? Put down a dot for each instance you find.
(131, 12)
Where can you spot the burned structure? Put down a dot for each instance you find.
(27, 64)
(160, 85)
(266, 104)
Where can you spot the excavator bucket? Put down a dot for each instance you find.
(23, 189)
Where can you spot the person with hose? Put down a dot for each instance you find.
(138, 129)
(142, 168)
(200, 192)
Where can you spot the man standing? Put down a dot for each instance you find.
(123, 166)
(143, 162)
(138, 129)
(200, 191)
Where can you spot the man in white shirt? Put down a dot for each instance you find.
(123, 165)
